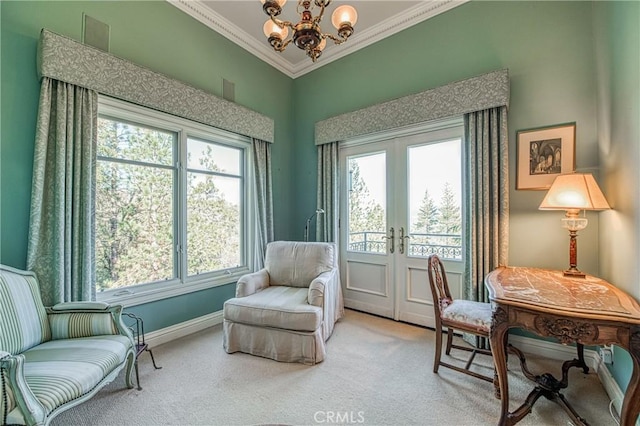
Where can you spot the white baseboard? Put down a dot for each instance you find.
(182, 329)
(611, 387)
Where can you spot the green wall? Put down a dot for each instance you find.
(158, 36)
(548, 49)
(617, 29)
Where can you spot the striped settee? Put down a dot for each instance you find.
(52, 359)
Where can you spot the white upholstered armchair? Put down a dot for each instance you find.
(287, 310)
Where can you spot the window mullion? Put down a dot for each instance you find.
(181, 201)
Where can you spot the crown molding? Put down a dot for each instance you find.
(394, 24)
(237, 35)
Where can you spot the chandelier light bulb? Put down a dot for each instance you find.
(280, 2)
(272, 7)
(271, 28)
(344, 15)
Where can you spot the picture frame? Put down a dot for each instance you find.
(543, 154)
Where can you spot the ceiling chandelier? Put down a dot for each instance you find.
(307, 34)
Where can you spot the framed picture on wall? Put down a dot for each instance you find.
(543, 154)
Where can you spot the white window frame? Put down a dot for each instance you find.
(184, 128)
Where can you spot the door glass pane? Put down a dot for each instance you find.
(435, 198)
(367, 203)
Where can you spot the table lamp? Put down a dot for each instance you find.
(574, 192)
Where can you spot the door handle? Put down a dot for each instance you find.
(402, 237)
(392, 248)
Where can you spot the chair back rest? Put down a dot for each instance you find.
(23, 320)
(438, 283)
(296, 264)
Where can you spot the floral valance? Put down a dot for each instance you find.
(68, 60)
(473, 94)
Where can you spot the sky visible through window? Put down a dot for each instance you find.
(226, 159)
(430, 167)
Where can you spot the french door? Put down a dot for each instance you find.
(401, 200)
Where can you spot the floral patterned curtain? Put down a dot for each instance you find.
(61, 232)
(487, 197)
(327, 199)
(263, 201)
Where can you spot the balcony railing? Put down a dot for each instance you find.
(447, 246)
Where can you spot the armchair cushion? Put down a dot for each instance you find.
(276, 307)
(71, 325)
(80, 306)
(297, 264)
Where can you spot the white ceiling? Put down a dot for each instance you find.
(241, 21)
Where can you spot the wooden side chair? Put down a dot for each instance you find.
(461, 315)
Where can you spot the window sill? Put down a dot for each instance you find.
(151, 294)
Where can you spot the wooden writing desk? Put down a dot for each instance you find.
(587, 311)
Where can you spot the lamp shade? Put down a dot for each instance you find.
(344, 14)
(575, 191)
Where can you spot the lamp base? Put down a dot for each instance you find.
(574, 273)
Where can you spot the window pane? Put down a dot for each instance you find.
(211, 157)
(133, 142)
(435, 189)
(214, 218)
(134, 224)
(367, 203)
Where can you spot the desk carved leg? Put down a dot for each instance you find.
(498, 337)
(581, 363)
(549, 387)
(631, 402)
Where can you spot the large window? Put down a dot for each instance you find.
(171, 203)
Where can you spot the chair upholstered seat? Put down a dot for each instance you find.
(469, 313)
(463, 316)
(59, 371)
(277, 307)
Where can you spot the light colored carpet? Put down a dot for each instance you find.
(377, 372)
